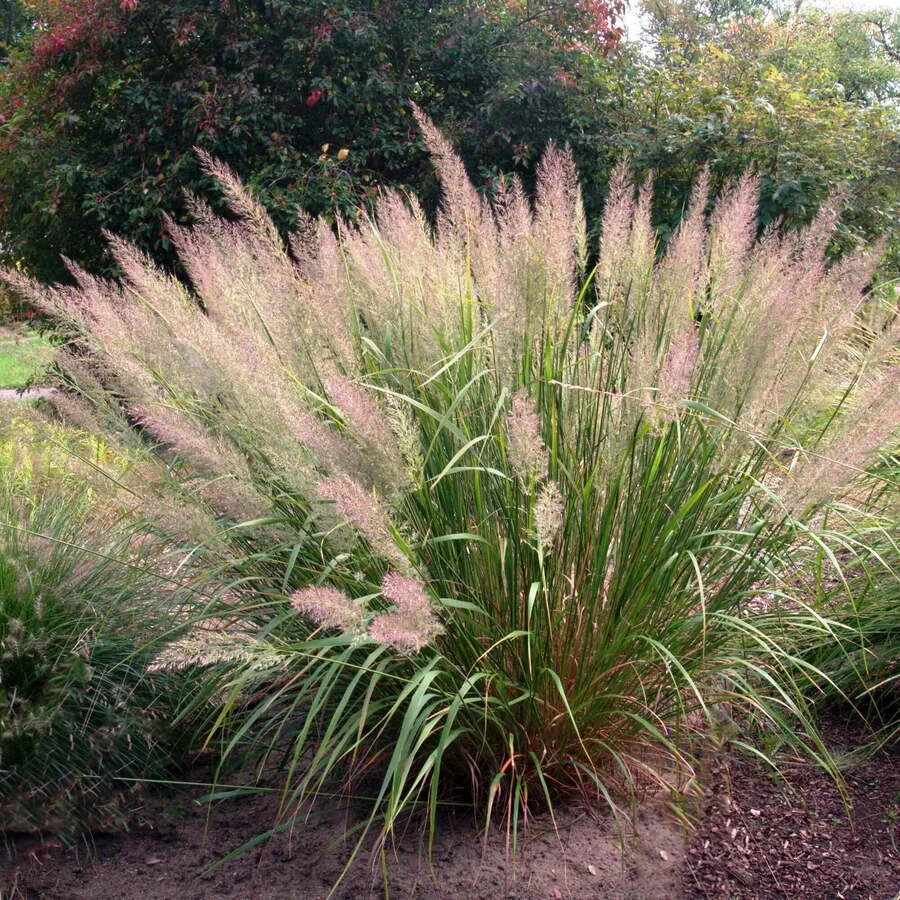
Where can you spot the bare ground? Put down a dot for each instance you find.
(167, 856)
(757, 837)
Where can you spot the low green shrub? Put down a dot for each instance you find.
(513, 528)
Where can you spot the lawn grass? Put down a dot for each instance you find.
(21, 358)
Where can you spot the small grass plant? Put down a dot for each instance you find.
(515, 529)
(861, 650)
(83, 607)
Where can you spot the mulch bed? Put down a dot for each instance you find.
(761, 837)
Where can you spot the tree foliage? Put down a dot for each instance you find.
(805, 100)
(13, 24)
(309, 100)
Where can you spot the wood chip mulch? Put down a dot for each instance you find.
(760, 838)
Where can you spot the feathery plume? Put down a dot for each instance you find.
(462, 211)
(363, 510)
(679, 274)
(361, 412)
(230, 490)
(407, 593)
(548, 514)
(618, 215)
(875, 419)
(412, 624)
(732, 231)
(642, 239)
(403, 632)
(408, 437)
(329, 607)
(241, 201)
(559, 230)
(678, 368)
(208, 645)
(527, 453)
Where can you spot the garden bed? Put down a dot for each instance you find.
(753, 841)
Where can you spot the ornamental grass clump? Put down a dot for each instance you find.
(524, 514)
